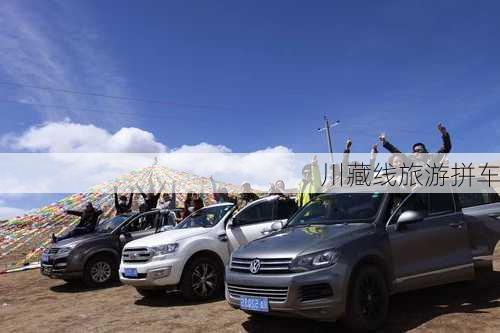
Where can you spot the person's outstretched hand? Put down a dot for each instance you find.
(348, 143)
(441, 128)
(381, 137)
(314, 160)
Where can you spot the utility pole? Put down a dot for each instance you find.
(328, 135)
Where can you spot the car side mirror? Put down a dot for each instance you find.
(278, 225)
(408, 217)
(122, 238)
(234, 222)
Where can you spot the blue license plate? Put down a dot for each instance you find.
(130, 272)
(258, 304)
(45, 257)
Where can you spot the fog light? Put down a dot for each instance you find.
(160, 273)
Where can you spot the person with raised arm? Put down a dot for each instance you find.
(88, 221)
(122, 205)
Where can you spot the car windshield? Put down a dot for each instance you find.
(205, 217)
(111, 224)
(339, 208)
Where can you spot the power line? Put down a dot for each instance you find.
(123, 98)
(147, 115)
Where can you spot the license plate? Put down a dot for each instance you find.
(130, 272)
(46, 270)
(258, 304)
(45, 257)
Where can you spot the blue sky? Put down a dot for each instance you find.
(256, 74)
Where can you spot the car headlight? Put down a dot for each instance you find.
(66, 249)
(314, 260)
(164, 249)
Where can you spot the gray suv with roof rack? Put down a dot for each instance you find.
(342, 255)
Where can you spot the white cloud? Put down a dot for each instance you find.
(68, 137)
(90, 162)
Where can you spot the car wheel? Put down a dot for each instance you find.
(368, 300)
(99, 271)
(150, 293)
(202, 279)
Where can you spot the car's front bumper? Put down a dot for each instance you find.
(154, 274)
(325, 308)
(61, 267)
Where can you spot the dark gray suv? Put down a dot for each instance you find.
(94, 258)
(342, 255)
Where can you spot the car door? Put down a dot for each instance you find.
(482, 215)
(433, 250)
(142, 225)
(250, 223)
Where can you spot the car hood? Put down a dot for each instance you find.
(75, 241)
(167, 237)
(290, 242)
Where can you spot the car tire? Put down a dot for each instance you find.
(100, 270)
(368, 300)
(150, 293)
(202, 279)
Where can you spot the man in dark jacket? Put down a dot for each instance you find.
(151, 199)
(122, 205)
(88, 221)
(419, 149)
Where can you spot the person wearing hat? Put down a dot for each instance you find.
(310, 183)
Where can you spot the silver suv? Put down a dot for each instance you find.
(342, 255)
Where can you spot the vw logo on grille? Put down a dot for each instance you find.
(255, 266)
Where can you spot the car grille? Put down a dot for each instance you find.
(267, 266)
(52, 250)
(315, 291)
(274, 294)
(142, 254)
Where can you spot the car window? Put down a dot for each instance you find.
(339, 208)
(441, 203)
(286, 208)
(415, 202)
(262, 211)
(143, 222)
(111, 224)
(477, 199)
(206, 217)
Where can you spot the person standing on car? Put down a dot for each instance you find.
(151, 199)
(246, 195)
(122, 205)
(88, 221)
(167, 200)
(310, 183)
(420, 152)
